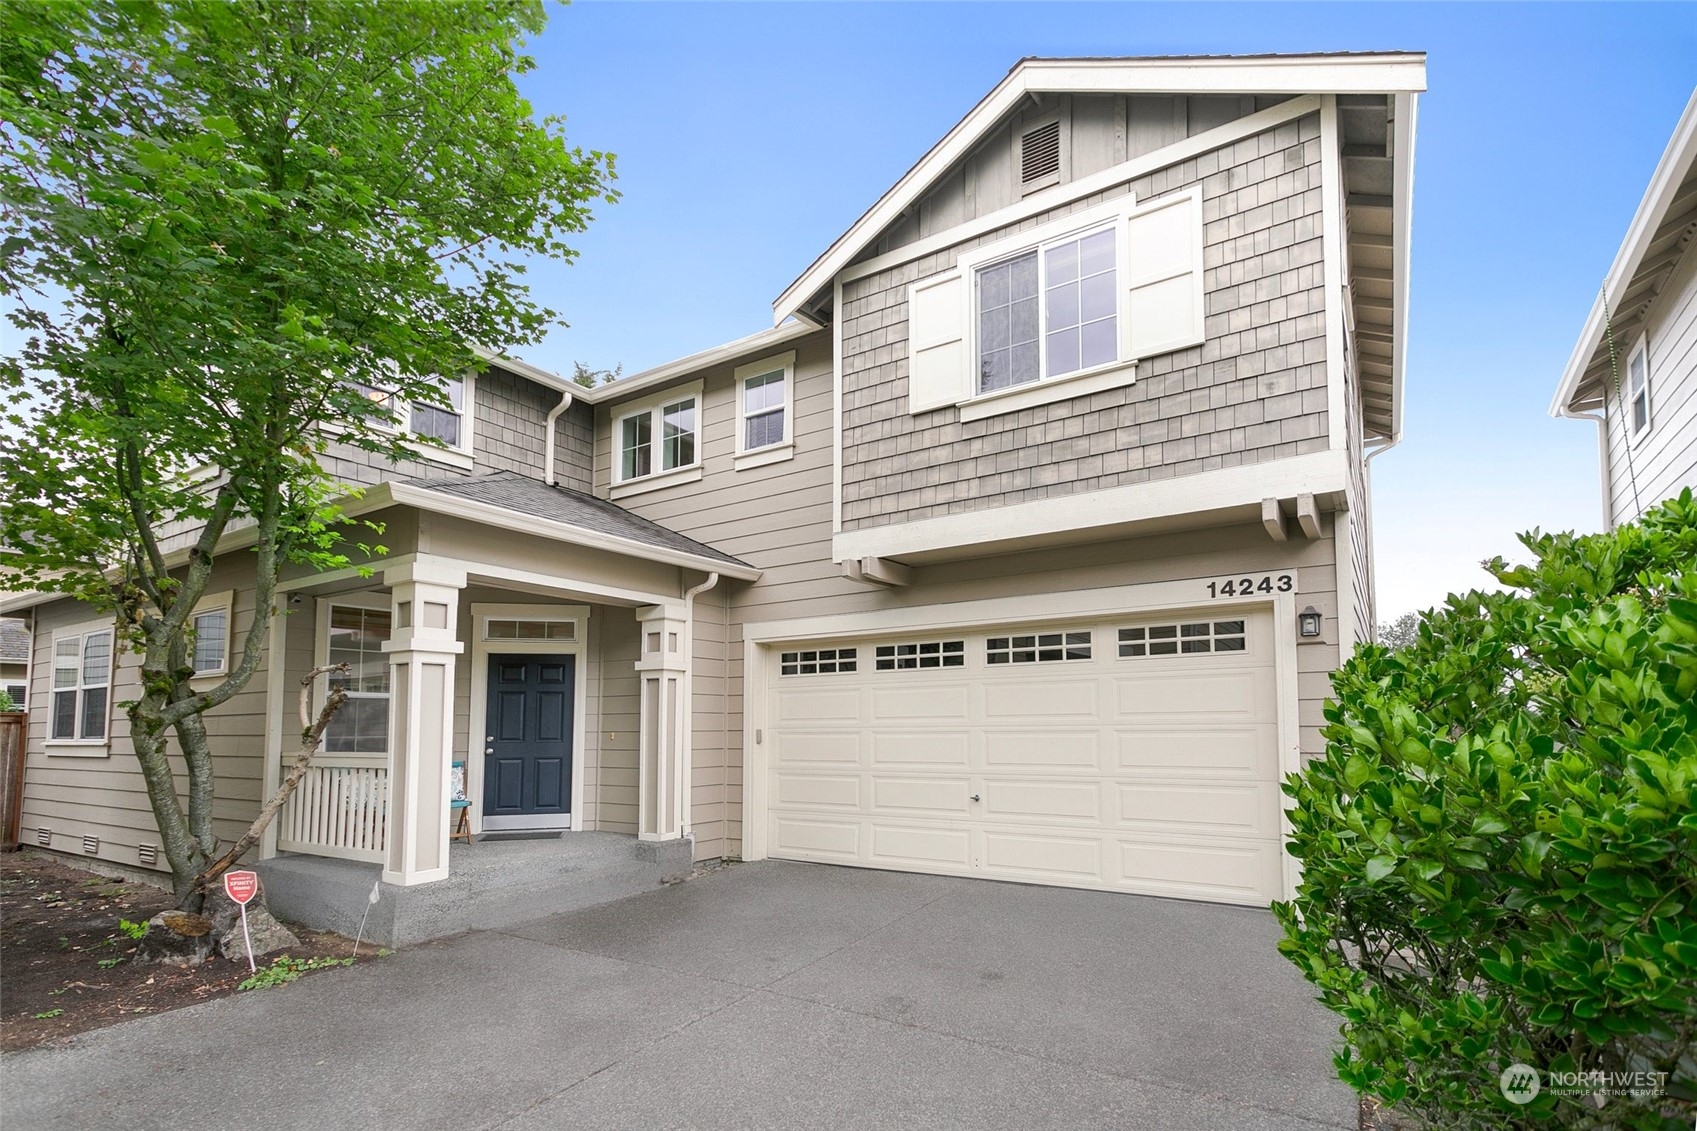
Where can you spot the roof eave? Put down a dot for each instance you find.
(1387, 73)
(403, 494)
(756, 343)
(1652, 210)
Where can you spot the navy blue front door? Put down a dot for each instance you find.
(527, 765)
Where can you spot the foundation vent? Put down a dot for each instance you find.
(149, 853)
(44, 837)
(91, 844)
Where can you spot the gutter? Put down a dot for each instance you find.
(566, 399)
(1602, 421)
(687, 707)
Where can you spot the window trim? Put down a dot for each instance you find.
(656, 477)
(211, 603)
(1640, 348)
(381, 602)
(459, 455)
(1114, 215)
(780, 450)
(81, 747)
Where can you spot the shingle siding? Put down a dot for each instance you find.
(1254, 391)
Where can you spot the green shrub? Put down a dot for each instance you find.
(1499, 846)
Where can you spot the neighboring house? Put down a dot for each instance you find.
(1634, 369)
(14, 661)
(1022, 546)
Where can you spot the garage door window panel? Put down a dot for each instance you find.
(1037, 648)
(1187, 639)
(818, 661)
(925, 654)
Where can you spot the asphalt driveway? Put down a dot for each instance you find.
(767, 995)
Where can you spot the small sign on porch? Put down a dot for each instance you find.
(242, 887)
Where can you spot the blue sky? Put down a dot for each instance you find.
(749, 136)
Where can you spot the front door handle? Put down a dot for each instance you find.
(489, 750)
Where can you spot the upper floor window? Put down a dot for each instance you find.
(438, 423)
(1065, 287)
(450, 424)
(658, 437)
(1059, 311)
(1638, 387)
(82, 683)
(765, 392)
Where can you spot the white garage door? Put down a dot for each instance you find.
(1135, 755)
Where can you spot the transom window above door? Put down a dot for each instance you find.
(658, 437)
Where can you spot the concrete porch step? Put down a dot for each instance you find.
(491, 884)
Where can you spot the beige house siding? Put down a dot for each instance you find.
(614, 783)
(779, 518)
(1359, 516)
(104, 796)
(1645, 470)
(1255, 391)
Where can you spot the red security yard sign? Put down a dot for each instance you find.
(241, 886)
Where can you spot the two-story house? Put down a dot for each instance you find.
(1634, 368)
(1020, 547)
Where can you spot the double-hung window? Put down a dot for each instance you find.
(659, 437)
(447, 423)
(763, 410)
(356, 637)
(1638, 388)
(765, 392)
(1048, 312)
(442, 423)
(211, 623)
(82, 684)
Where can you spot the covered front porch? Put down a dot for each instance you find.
(511, 673)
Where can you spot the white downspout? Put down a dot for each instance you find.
(566, 399)
(687, 786)
(1602, 422)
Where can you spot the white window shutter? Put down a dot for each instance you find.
(937, 366)
(1164, 275)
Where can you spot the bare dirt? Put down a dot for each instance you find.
(65, 964)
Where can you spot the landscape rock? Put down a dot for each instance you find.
(267, 935)
(176, 938)
(266, 932)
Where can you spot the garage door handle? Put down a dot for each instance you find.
(975, 797)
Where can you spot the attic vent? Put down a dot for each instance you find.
(44, 837)
(91, 844)
(148, 853)
(1040, 155)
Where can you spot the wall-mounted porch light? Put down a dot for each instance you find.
(1308, 623)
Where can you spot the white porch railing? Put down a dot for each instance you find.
(339, 811)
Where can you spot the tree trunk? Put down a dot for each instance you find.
(312, 737)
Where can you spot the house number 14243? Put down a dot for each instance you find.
(1249, 586)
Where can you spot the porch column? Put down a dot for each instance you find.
(424, 602)
(663, 671)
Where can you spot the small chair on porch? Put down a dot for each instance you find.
(460, 806)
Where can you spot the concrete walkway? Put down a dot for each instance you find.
(767, 995)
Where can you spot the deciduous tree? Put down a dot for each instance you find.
(230, 229)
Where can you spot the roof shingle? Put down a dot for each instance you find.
(532, 497)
